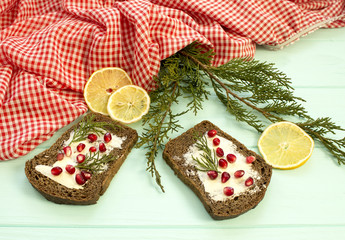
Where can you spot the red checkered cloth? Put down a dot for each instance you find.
(49, 48)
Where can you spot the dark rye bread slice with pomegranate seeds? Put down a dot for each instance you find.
(231, 207)
(93, 188)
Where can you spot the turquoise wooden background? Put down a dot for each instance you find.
(305, 203)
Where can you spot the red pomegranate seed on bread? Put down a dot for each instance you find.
(86, 175)
(239, 173)
(68, 151)
(92, 137)
(56, 171)
(216, 141)
(80, 147)
(70, 168)
(212, 174)
(107, 137)
(249, 181)
(225, 177)
(102, 147)
(222, 163)
(212, 133)
(219, 152)
(80, 179)
(60, 156)
(231, 158)
(228, 191)
(92, 149)
(80, 158)
(250, 159)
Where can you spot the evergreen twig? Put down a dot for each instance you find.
(88, 125)
(281, 102)
(208, 159)
(94, 162)
(254, 92)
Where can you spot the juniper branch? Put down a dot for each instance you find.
(276, 105)
(177, 78)
(249, 90)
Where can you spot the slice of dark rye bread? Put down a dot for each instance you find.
(93, 188)
(230, 208)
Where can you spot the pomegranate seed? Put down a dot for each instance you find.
(86, 175)
(212, 174)
(216, 141)
(107, 137)
(70, 168)
(92, 137)
(212, 133)
(80, 158)
(249, 181)
(228, 191)
(102, 147)
(225, 177)
(80, 147)
(80, 179)
(109, 90)
(219, 152)
(56, 171)
(231, 158)
(92, 149)
(223, 163)
(239, 173)
(250, 159)
(60, 156)
(68, 151)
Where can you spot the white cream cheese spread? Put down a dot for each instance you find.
(68, 179)
(214, 186)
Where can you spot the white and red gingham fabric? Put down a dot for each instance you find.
(49, 48)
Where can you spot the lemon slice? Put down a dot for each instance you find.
(284, 145)
(128, 104)
(101, 84)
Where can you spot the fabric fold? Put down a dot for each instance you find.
(49, 48)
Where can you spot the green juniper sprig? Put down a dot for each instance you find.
(271, 96)
(254, 92)
(173, 82)
(88, 125)
(94, 162)
(208, 159)
(319, 129)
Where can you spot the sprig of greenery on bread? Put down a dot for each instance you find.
(94, 162)
(208, 159)
(89, 125)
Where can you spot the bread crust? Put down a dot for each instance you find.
(230, 208)
(93, 188)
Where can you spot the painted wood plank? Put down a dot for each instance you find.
(297, 232)
(306, 203)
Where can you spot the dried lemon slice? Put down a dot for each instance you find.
(101, 84)
(128, 104)
(284, 145)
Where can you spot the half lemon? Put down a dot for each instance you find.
(128, 104)
(101, 84)
(284, 145)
